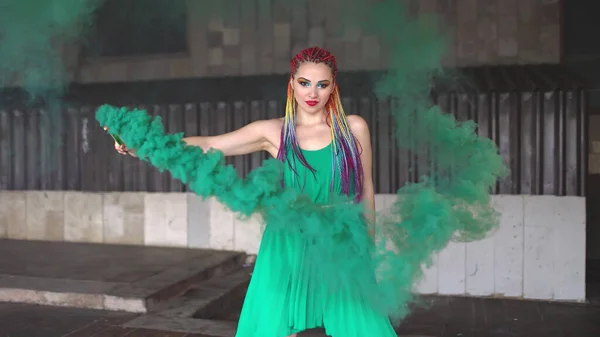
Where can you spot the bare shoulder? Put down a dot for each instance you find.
(358, 125)
(272, 125)
(267, 125)
(275, 122)
(271, 131)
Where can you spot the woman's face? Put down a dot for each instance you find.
(312, 84)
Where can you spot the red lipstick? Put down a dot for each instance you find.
(312, 103)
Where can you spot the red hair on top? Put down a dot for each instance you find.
(314, 55)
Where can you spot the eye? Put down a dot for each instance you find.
(323, 85)
(304, 83)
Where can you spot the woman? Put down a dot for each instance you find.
(326, 153)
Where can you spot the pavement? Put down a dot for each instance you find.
(88, 290)
(448, 317)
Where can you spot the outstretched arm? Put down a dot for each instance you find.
(248, 139)
(254, 137)
(360, 129)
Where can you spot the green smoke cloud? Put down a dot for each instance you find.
(32, 36)
(450, 201)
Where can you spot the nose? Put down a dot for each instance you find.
(312, 93)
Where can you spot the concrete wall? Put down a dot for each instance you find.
(262, 39)
(537, 253)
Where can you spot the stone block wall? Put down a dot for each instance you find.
(538, 252)
(262, 39)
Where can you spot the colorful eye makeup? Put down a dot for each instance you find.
(306, 83)
(303, 82)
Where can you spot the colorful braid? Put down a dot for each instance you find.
(345, 153)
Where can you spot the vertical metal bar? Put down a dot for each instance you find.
(58, 129)
(115, 163)
(365, 106)
(561, 142)
(528, 149)
(140, 170)
(92, 177)
(6, 151)
(583, 119)
(19, 150)
(255, 113)
(383, 174)
(165, 176)
(539, 143)
(48, 150)
(549, 144)
(175, 117)
(494, 125)
(504, 140)
(572, 143)
(32, 150)
(73, 154)
(238, 120)
(223, 122)
(155, 182)
(191, 124)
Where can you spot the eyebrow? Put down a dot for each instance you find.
(302, 78)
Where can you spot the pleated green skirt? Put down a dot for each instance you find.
(286, 296)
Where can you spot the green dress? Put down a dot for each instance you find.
(284, 296)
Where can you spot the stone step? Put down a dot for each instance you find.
(210, 308)
(202, 307)
(211, 299)
(119, 278)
